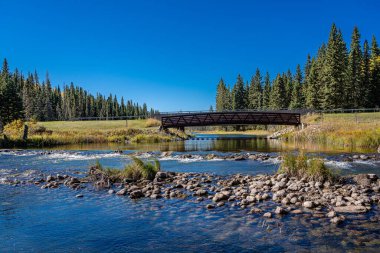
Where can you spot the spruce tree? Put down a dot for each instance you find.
(297, 96)
(367, 100)
(354, 91)
(278, 100)
(266, 92)
(375, 71)
(238, 97)
(255, 92)
(334, 74)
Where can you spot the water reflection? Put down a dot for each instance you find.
(223, 143)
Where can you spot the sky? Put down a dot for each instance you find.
(171, 53)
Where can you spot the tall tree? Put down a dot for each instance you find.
(354, 89)
(239, 95)
(255, 91)
(375, 71)
(297, 99)
(334, 74)
(266, 92)
(278, 100)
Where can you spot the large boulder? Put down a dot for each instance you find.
(363, 179)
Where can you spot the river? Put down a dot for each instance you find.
(37, 220)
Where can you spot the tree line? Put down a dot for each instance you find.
(27, 98)
(335, 78)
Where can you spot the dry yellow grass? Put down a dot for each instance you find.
(345, 129)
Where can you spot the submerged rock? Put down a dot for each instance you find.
(350, 209)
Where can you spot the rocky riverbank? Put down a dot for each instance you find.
(268, 196)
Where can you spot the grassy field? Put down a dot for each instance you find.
(82, 132)
(93, 125)
(345, 129)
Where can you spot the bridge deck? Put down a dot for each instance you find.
(230, 118)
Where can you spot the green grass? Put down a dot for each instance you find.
(300, 166)
(134, 171)
(93, 125)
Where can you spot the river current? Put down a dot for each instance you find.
(41, 220)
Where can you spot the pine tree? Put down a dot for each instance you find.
(367, 89)
(297, 96)
(278, 100)
(266, 92)
(255, 92)
(239, 95)
(334, 74)
(354, 91)
(375, 71)
(221, 94)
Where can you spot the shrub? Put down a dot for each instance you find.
(300, 166)
(152, 123)
(135, 171)
(15, 128)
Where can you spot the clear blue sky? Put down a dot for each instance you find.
(171, 53)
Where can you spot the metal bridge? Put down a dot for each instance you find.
(189, 119)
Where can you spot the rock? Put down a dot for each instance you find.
(122, 191)
(255, 210)
(338, 219)
(111, 191)
(280, 210)
(79, 196)
(267, 215)
(362, 179)
(161, 175)
(220, 204)
(201, 192)
(363, 157)
(155, 196)
(209, 206)
(350, 209)
(50, 178)
(239, 158)
(136, 194)
(378, 149)
(251, 199)
(331, 214)
(297, 211)
(285, 201)
(308, 204)
(293, 200)
(219, 197)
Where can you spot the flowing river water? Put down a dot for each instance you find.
(41, 220)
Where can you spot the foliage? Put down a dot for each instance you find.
(15, 128)
(151, 122)
(300, 166)
(135, 171)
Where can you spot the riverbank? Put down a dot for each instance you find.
(340, 129)
(49, 134)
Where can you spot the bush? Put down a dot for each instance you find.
(152, 123)
(15, 128)
(300, 166)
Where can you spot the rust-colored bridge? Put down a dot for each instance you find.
(182, 120)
